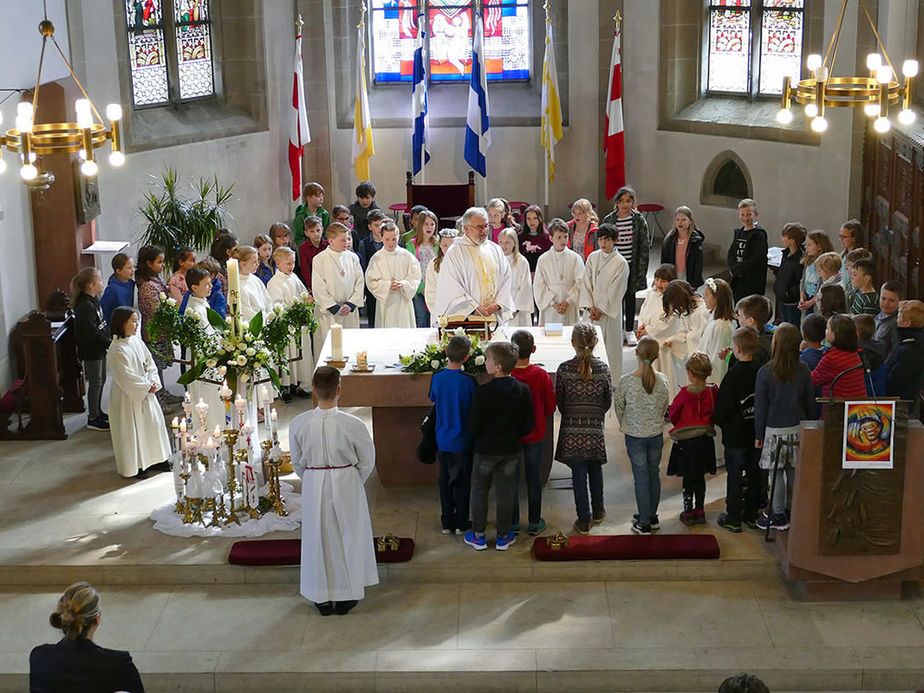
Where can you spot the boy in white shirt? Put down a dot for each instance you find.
(557, 284)
(337, 285)
(393, 277)
(603, 286)
(199, 283)
(284, 287)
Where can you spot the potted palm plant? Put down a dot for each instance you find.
(174, 221)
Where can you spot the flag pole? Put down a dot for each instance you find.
(423, 156)
(545, 152)
(299, 23)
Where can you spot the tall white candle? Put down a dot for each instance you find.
(336, 342)
(234, 294)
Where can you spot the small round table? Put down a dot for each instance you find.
(398, 209)
(647, 210)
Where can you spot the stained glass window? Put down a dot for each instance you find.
(506, 39)
(753, 45)
(157, 28)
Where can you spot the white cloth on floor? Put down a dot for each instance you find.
(284, 288)
(558, 278)
(336, 279)
(393, 308)
(338, 555)
(603, 286)
(139, 435)
(472, 275)
(167, 520)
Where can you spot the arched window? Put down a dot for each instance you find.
(449, 35)
(752, 45)
(726, 181)
(170, 51)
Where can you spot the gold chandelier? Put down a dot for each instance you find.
(874, 93)
(29, 140)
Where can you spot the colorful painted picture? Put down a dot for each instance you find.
(869, 435)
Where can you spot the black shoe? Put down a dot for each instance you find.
(142, 474)
(286, 397)
(159, 467)
(300, 392)
(725, 523)
(641, 529)
(326, 608)
(343, 608)
(655, 524)
(97, 425)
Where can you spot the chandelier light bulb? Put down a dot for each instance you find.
(84, 115)
(819, 124)
(884, 74)
(784, 116)
(811, 110)
(24, 110)
(116, 159)
(906, 117)
(881, 125)
(28, 172)
(821, 74)
(910, 68)
(813, 61)
(89, 168)
(871, 109)
(114, 111)
(873, 61)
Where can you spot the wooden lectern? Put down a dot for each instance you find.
(855, 533)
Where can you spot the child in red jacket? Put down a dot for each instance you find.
(693, 452)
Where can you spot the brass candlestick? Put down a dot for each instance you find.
(231, 440)
(245, 494)
(278, 505)
(186, 509)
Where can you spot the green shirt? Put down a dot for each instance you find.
(865, 303)
(298, 224)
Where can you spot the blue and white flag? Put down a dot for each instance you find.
(420, 155)
(477, 124)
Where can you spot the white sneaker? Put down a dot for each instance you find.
(631, 339)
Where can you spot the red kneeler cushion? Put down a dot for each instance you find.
(289, 552)
(629, 547)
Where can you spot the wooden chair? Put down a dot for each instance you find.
(448, 202)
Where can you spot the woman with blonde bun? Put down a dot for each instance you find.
(76, 664)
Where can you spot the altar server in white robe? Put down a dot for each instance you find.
(337, 284)
(557, 284)
(447, 238)
(333, 453)
(653, 322)
(254, 296)
(284, 287)
(522, 281)
(139, 436)
(475, 277)
(603, 286)
(690, 315)
(199, 283)
(393, 277)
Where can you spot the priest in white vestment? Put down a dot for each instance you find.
(393, 277)
(474, 276)
(337, 284)
(139, 435)
(333, 453)
(199, 283)
(557, 283)
(606, 278)
(285, 287)
(254, 297)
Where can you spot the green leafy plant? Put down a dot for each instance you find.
(433, 357)
(174, 221)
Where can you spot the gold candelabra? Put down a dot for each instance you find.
(231, 440)
(273, 463)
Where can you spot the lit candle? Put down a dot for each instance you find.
(274, 425)
(336, 342)
(264, 395)
(225, 391)
(217, 431)
(202, 409)
(234, 294)
(183, 434)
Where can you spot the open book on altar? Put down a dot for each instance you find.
(480, 325)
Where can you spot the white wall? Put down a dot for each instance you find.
(792, 182)
(515, 163)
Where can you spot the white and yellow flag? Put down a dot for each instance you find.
(551, 105)
(363, 148)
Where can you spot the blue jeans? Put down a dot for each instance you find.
(645, 455)
(455, 488)
(500, 469)
(789, 312)
(421, 314)
(532, 461)
(582, 473)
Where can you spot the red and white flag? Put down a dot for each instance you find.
(614, 143)
(299, 134)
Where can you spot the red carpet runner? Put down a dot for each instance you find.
(288, 552)
(627, 547)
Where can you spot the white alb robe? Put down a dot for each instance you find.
(284, 288)
(652, 307)
(522, 288)
(558, 278)
(685, 340)
(650, 315)
(603, 286)
(198, 389)
(663, 329)
(139, 435)
(393, 308)
(336, 279)
(472, 275)
(430, 284)
(717, 335)
(254, 297)
(338, 556)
